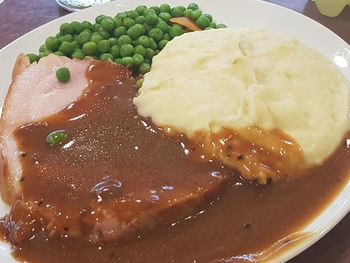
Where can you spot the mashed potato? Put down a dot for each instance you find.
(234, 79)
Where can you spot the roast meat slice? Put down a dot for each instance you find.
(34, 93)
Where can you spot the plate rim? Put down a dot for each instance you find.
(345, 207)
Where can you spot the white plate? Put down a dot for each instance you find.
(236, 14)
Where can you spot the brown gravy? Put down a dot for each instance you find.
(233, 219)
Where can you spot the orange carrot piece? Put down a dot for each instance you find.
(184, 21)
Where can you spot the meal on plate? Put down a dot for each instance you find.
(160, 136)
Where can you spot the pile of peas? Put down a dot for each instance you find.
(132, 38)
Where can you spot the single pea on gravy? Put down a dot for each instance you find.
(168, 173)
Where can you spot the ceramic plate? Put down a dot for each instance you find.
(235, 14)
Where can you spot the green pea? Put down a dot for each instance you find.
(140, 19)
(84, 37)
(66, 28)
(152, 44)
(128, 22)
(151, 19)
(144, 68)
(44, 54)
(115, 51)
(221, 26)
(163, 43)
(86, 25)
(182, 8)
(96, 27)
(126, 50)
(99, 18)
(75, 37)
(166, 36)
(89, 48)
(107, 24)
(127, 61)
(193, 6)
(112, 41)
(140, 50)
(78, 54)
(147, 27)
(143, 41)
(63, 74)
(52, 43)
(56, 137)
(105, 34)
(139, 83)
(140, 9)
(163, 26)
(68, 38)
(118, 61)
(134, 32)
(165, 16)
(42, 48)
(75, 44)
(77, 26)
(202, 21)
(209, 17)
(138, 59)
(156, 34)
(196, 14)
(32, 57)
(103, 46)
(96, 38)
(176, 12)
(67, 48)
(132, 14)
(150, 53)
(106, 57)
(188, 13)
(141, 28)
(121, 15)
(176, 31)
(212, 24)
(148, 61)
(59, 53)
(119, 31)
(124, 39)
(156, 9)
(208, 28)
(165, 8)
(117, 21)
(58, 35)
(148, 11)
(88, 30)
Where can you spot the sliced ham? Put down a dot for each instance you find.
(34, 93)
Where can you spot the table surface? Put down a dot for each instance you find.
(18, 17)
